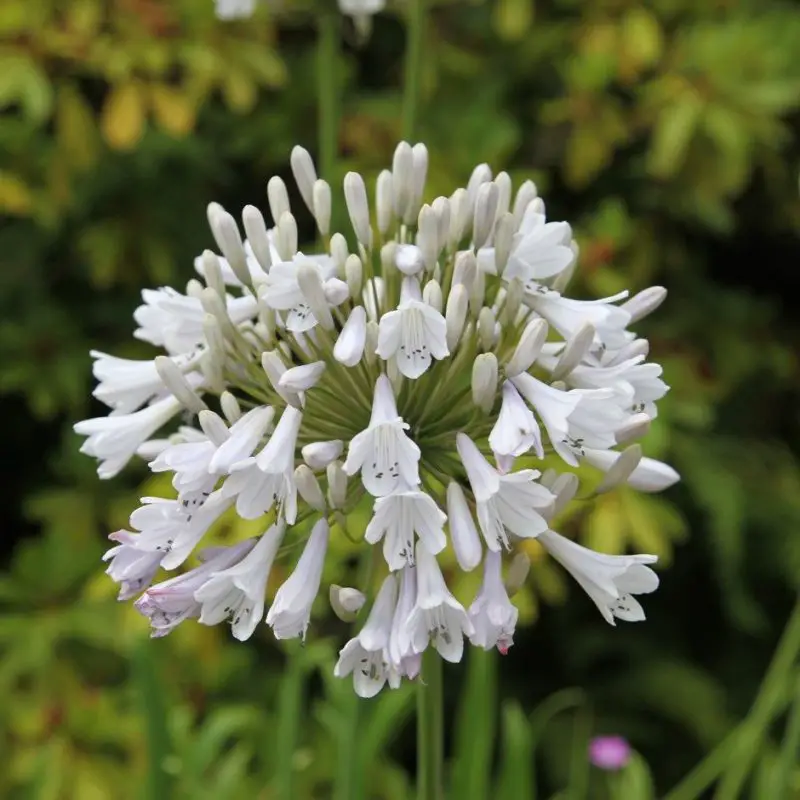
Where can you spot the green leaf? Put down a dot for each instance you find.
(674, 131)
(516, 777)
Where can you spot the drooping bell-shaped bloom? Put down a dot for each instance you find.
(366, 655)
(237, 592)
(437, 617)
(414, 334)
(513, 502)
(290, 612)
(383, 453)
(492, 614)
(611, 581)
(173, 601)
(516, 430)
(113, 440)
(401, 517)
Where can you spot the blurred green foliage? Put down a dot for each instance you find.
(667, 132)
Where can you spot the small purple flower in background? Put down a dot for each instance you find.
(609, 752)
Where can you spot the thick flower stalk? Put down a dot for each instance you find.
(420, 370)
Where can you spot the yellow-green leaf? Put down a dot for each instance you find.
(15, 195)
(513, 18)
(75, 128)
(673, 134)
(174, 110)
(123, 118)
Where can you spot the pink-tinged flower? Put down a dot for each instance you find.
(611, 753)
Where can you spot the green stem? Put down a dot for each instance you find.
(791, 743)
(739, 748)
(755, 726)
(328, 88)
(430, 728)
(290, 710)
(154, 706)
(413, 67)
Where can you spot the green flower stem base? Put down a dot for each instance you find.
(430, 728)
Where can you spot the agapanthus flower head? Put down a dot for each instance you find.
(419, 371)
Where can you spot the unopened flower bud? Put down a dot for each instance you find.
(645, 302)
(256, 230)
(517, 573)
(305, 175)
(175, 381)
(465, 270)
(503, 183)
(503, 240)
(622, 468)
(355, 195)
(230, 407)
(212, 272)
(638, 347)
(349, 346)
(486, 328)
(337, 484)
(463, 534)
(308, 487)
(319, 454)
(274, 367)
(302, 377)
(322, 206)
(528, 348)
(384, 202)
(346, 602)
(432, 295)
(229, 240)
(485, 213)
(402, 178)
(286, 236)
(419, 173)
(477, 292)
(480, 175)
(278, 198)
(371, 344)
(194, 288)
(339, 253)
(214, 338)
(213, 426)
(525, 194)
(354, 274)
(484, 381)
(577, 346)
(459, 216)
(456, 314)
(213, 304)
(513, 302)
(441, 207)
(428, 236)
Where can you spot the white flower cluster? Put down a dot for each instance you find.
(407, 376)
